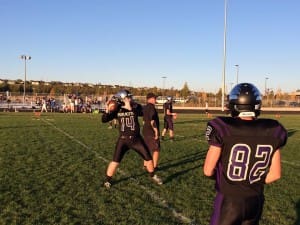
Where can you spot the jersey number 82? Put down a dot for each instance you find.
(238, 168)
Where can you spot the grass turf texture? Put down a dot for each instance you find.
(52, 168)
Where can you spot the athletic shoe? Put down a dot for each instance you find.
(107, 184)
(157, 179)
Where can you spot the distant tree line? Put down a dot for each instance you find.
(56, 88)
(60, 88)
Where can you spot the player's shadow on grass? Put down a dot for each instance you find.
(179, 173)
(184, 138)
(183, 160)
(204, 120)
(191, 158)
(297, 206)
(291, 132)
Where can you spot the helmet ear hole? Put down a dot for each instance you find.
(244, 100)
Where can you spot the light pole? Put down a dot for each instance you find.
(237, 73)
(25, 58)
(266, 78)
(224, 55)
(164, 82)
(231, 85)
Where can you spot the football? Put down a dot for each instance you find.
(174, 116)
(112, 105)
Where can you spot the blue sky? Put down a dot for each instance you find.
(137, 42)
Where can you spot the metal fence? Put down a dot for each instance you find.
(34, 100)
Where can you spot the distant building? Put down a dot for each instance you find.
(295, 95)
(11, 82)
(35, 82)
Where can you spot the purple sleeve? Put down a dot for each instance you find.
(281, 134)
(212, 136)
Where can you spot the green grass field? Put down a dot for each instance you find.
(52, 168)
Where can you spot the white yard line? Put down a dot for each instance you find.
(291, 163)
(161, 201)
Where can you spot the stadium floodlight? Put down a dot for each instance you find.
(266, 90)
(237, 73)
(164, 83)
(231, 85)
(25, 58)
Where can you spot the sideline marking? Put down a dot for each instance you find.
(152, 194)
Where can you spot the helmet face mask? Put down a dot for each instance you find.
(244, 100)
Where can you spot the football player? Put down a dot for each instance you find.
(243, 155)
(168, 119)
(151, 128)
(129, 135)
